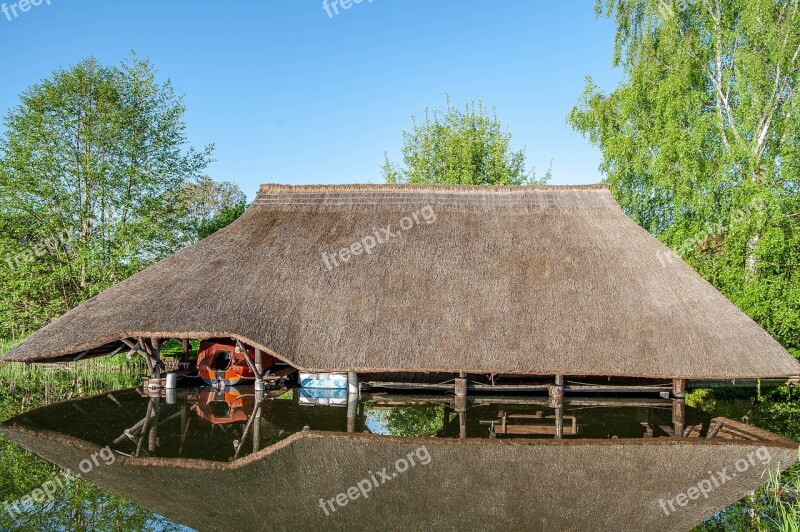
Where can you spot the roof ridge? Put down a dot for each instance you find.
(275, 188)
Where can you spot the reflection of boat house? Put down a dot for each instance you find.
(482, 283)
(611, 484)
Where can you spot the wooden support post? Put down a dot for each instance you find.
(678, 416)
(185, 355)
(352, 385)
(461, 385)
(259, 363)
(556, 392)
(679, 388)
(155, 354)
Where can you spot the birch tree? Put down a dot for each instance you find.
(701, 141)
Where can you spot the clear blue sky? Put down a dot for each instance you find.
(291, 95)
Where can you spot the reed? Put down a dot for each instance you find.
(24, 387)
(784, 491)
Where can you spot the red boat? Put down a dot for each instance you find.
(222, 364)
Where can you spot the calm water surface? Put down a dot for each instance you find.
(278, 460)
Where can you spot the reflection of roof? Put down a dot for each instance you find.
(534, 280)
(467, 485)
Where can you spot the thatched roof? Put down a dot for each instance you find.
(531, 280)
(467, 485)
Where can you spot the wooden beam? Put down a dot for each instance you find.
(246, 432)
(77, 358)
(243, 349)
(713, 432)
(280, 374)
(142, 349)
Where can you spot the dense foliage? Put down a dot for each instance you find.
(460, 146)
(97, 181)
(701, 142)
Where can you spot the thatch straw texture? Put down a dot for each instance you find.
(539, 280)
(467, 485)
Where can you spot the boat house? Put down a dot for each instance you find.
(547, 282)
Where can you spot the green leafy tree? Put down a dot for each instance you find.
(91, 164)
(700, 141)
(211, 205)
(223, 218)
(460, 146)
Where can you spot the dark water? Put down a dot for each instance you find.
(197, 456)
(226, 425)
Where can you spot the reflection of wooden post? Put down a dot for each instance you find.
(559, 423)
(678, 416)
(460, 390)
(352, 400)
(152, 437)
(461, 409)
(145, 424)
(679, 388)
(352, 410)
(257, 423)
(184, 418)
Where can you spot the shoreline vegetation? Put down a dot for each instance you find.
(81, 506)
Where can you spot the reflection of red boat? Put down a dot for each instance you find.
(221, 364)
(220, 407)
